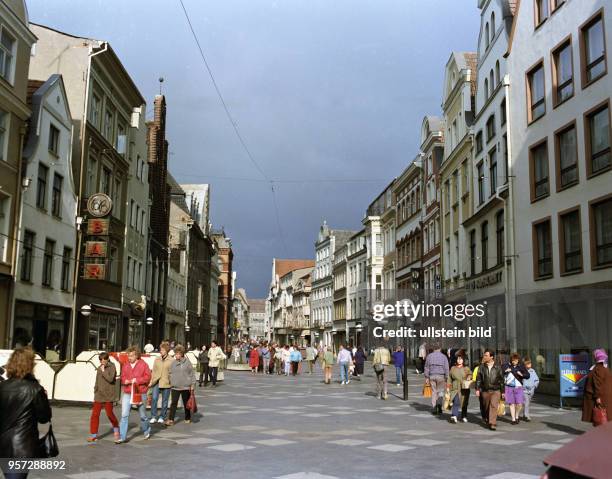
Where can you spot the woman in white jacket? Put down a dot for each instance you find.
(215, 356)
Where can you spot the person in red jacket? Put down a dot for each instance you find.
(135, 377)
(254, 359)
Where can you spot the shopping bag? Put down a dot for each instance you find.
(426, 390)
(501, 408)
(447, 401)
(600, 416)
(135, 396)
(191, 403)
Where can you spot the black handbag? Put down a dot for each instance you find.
(48, 444)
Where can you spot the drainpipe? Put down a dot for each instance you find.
(73, 318)
(510, 264)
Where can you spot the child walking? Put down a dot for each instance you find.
(529, 385)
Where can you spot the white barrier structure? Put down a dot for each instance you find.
(75, 381)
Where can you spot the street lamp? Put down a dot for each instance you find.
(86, 310)
(149, 321)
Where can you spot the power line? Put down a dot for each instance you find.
(234, 124)
(288, 180)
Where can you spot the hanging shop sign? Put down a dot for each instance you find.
(94, 271)
(98, 227)
(99, 205)
(95, 249)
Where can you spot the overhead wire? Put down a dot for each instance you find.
(235, 125)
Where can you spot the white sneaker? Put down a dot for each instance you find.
(153, 420)
(160, 420)
(341, 382)
(453, 419)
(465, 419)
(348, 382)
(147, 435)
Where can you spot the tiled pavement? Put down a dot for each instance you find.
(295, 428)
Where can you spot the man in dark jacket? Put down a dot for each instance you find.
(490, 384)
(203, 360)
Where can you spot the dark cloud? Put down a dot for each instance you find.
(319, 89)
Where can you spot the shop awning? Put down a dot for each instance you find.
(105, 309)
(305, 332)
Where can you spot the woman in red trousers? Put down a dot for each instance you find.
(104, 397)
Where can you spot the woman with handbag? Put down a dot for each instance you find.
(597, 405)
(182, 381)
(515, 373)
(24, 403)
(135, 378)
(458, 386)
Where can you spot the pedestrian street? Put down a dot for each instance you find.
(272, 426)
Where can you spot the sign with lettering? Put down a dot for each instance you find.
(485, 281)
(573, 370)
(95, 249)
(98, 227)
(94, 271)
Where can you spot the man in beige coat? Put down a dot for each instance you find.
(160, 382)
(382, 359)
(215, 356)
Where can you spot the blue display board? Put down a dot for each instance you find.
(573, 370)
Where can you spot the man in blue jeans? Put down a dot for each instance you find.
(436, 373)
(160, 382)
(398, 362)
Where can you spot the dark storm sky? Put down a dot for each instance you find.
(320, 90)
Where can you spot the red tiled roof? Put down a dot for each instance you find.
(284, 266)
(33, 85)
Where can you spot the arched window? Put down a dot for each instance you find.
(492, 81)
(492, 26)
(486, 89)
(487, 38)
(497, 73)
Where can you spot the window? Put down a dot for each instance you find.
(541, 11)
(121, 143)
(56, 197)
(106, 181)
(497, 73)
(570, 243)
(566, 157)
(47, 277)
(486, 89)
(601, 233)
(54, 134)
(456, 186)
(506, 162)
(597, 131)
(143, 225)
(7, 54)
(484, 245)
(539, 171)
(29, 239)
(492, 26)
(132, 213)
(492, 81)
(502, 112)
(472, 252)
(593, 50)
(535, 92)
(481, 193)
(487, 36)
(3, 136)
(108, 124)
(490, 128)
(94, 112)
(493, 171)
(563, 73)
(542, 249)
(92, 175)
(479, 142)
(5, 213)
(112, 267)
(66, 269)
(41, 191)
(116, 211)
(499, 232)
